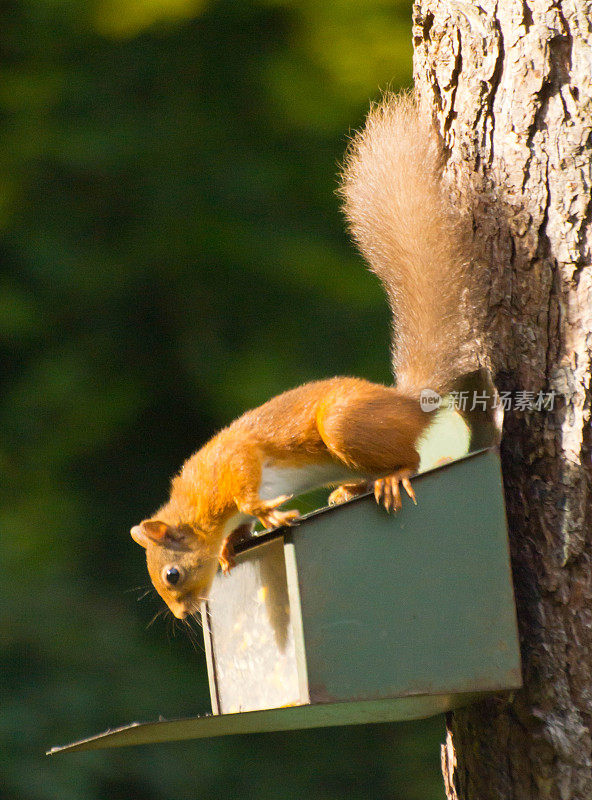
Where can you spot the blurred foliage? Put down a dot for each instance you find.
(172, 253)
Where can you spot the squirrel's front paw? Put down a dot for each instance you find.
(386, 490)
(226, 563)
(226, 557)
(267, 512)
(275, 519)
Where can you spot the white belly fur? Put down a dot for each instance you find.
(277, 479)
(235, 521)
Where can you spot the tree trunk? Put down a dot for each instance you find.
(511, 87)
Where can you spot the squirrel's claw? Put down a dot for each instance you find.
(275, 519)
(270, 517)
(409, 489)
(226, 557)
(237, 536)
(267, 512)
(345, 492)
(226, 563)
(386, 490)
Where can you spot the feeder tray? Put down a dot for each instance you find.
(355, 615)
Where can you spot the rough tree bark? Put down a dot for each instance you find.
(510, 82)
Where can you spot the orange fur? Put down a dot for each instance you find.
(342, 430)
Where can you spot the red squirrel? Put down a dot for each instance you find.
(342, 431)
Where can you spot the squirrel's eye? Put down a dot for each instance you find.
(171, 575)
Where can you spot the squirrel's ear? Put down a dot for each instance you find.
(149, 529)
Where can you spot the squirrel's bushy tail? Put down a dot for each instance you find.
(406, 227)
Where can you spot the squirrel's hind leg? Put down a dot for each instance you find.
(386, 490)
(347, 491)
(374, 431)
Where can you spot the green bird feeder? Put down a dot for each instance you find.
(355, 615)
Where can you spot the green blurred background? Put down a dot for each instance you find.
(172, 253)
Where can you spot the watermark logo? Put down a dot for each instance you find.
(429, 400)
(507, 401)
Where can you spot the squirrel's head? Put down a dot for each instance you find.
(180, 562)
